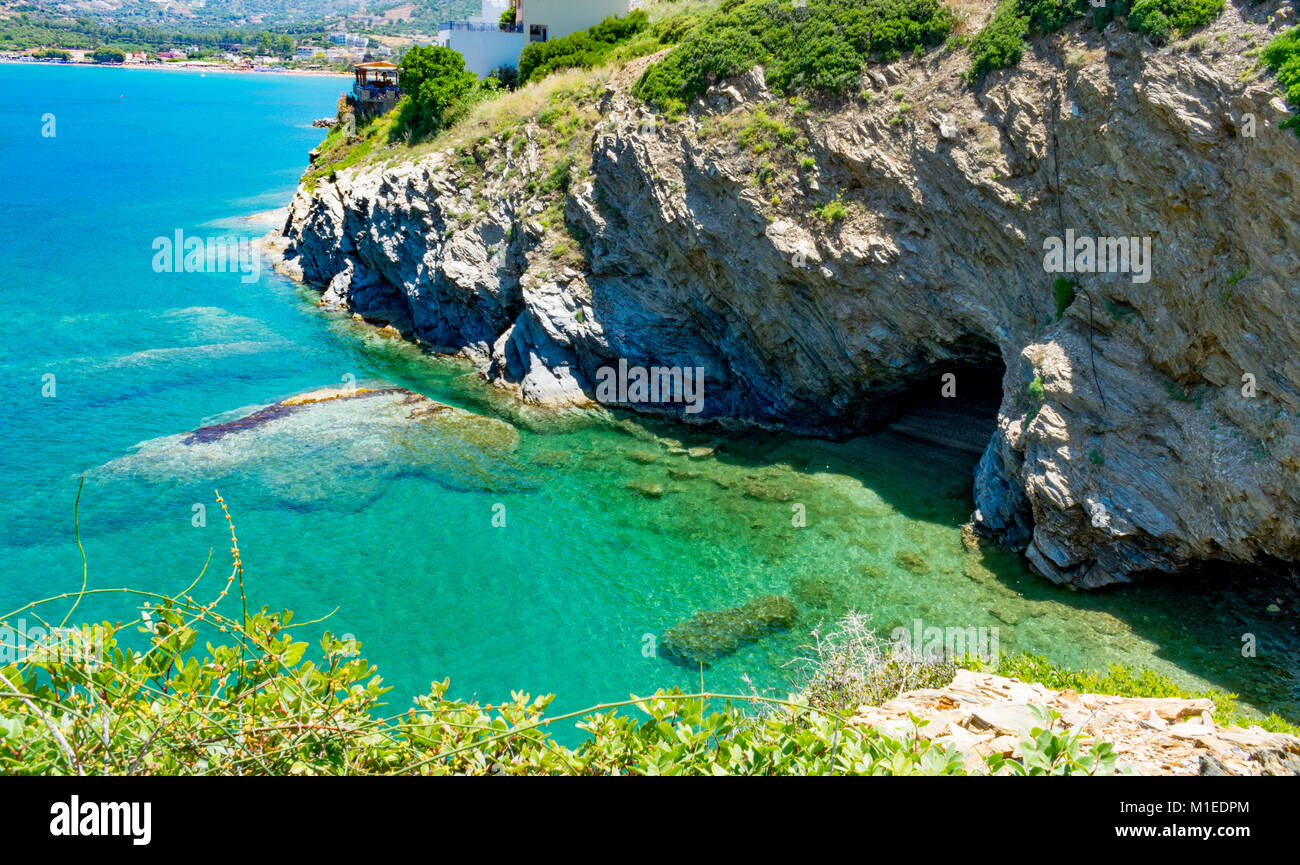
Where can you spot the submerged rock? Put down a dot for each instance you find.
(912, 561)
(710, 635)
(645, 488)
(764, 492)
(332, 447)
(814, 591)
(551, 458)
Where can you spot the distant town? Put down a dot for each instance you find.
(332, 52)
(305, 57)
(489, 40)
(178, 36)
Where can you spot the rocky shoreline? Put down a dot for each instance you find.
(1142, 426)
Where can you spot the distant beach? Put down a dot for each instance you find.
(182, 67)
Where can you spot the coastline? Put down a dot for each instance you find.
(179, 67)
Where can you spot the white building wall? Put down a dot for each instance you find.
(562, 17)
(492, 10)
(485, 50)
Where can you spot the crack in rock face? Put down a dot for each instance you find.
(1148, 412)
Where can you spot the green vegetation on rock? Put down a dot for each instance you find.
(1064, 290)
(585, 49)
(1282, 56)
(821, 45)
(1156, 18)
(1001, 42)
(1036, 391)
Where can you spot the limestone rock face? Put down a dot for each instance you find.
(1152, 425)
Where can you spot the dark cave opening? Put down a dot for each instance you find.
(953, 404)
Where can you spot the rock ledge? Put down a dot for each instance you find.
(982, 714)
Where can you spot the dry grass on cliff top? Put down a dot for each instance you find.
(495, 116)
(492, 118)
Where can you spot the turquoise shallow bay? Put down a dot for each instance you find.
(561, 598)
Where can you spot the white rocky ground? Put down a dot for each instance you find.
(982, 714)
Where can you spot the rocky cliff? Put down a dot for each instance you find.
(819, 259)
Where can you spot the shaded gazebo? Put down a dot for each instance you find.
(376, 82)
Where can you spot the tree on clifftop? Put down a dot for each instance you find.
(434, 80)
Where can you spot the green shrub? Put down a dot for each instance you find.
(560, 177)
(1064, 290)
(506, 74)
(1001, 42)
(1046, 752)
(1047, 16)
(832, 211)
(762, 133)
(434, 83)
(821, 46)
(1156, 17)
(1282, 56)
(583, 50)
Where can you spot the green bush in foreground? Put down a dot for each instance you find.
(821, 45)
(257, 705)
(1282, 56)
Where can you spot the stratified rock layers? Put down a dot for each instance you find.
(1164, 432)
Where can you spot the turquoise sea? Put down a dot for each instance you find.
(612, 534)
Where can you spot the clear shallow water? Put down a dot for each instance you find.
(391, 532)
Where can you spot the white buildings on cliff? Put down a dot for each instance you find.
(487, 44)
